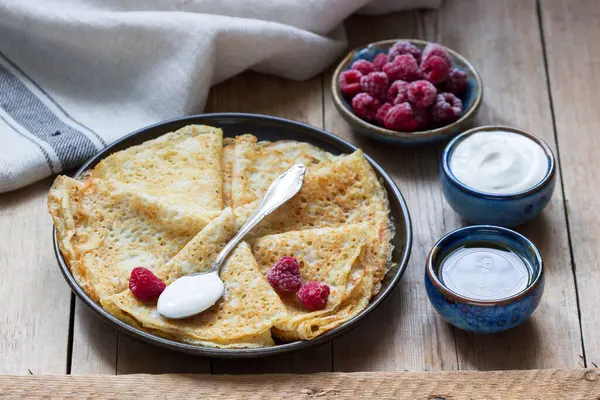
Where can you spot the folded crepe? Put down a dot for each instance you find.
(257, 164)
(228, 160)
(328, 255)
(243, 317)
(181, 168)
(139, 206)
(342, 191)
(104, 232)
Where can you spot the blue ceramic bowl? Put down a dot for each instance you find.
(480, 316)
(487, 208)
(471, 99)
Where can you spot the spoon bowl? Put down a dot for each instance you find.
(190, 295)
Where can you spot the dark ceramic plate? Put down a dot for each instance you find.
(265, 128)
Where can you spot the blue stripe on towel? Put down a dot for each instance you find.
(15, 66)
(71, 145)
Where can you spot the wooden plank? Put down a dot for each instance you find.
(34, 322)
(94, 343)
(263, 94)
(134, 356)
(571, 32)
(98, 348)
(300, 101)
(403, 333)
(312, 360)
(502, 39)
(508, 385)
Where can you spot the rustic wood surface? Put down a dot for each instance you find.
(33, 333)
(505, 385)
(571, 32)
(539, 62)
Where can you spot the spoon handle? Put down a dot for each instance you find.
(280, 191)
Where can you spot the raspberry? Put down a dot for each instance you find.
(365, 106)
(284, 276)
(401, 118)
(350, 82)
(435, 69)
(379, 61)
(404, 67)
(421, 93)
(363, 66)
(398, 92)
(376, 84)
(434, 49)
(144, 284)
(456, 83)
(381, 113)
(446, 108)
(404, 47)
(313, 295)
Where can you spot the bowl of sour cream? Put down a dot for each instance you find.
(497, 175)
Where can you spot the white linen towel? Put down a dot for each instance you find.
(76, 75)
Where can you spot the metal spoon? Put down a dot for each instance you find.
(194, 293)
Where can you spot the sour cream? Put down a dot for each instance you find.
(499, 162)
(190, 295)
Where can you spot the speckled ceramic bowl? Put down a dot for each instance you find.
(481, 316)
(471, 99)
(487, 208)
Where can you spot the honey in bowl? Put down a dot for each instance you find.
(485, 271)
(484, 278)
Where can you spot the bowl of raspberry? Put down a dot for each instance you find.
(407, 92)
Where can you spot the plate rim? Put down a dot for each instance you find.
(252, 352)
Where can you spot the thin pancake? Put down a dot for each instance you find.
(328, 255)
(263, 339)
(103, 232)
(257, 164)
(228, 161)
(244, 315)
(181, 168)
(201, 251)
(358, 294)
(342, 191)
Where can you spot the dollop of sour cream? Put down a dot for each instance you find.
(499, 162)
(190, 295)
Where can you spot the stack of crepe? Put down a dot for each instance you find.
(171, 204)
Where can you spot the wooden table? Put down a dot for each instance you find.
(539, 61)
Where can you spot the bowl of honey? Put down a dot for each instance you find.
(484, 278)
